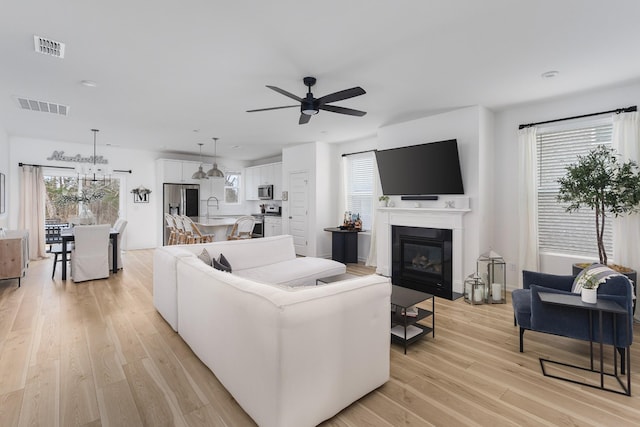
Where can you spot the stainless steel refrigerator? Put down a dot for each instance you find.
(180, 199)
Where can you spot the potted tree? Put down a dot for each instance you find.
(601, 182)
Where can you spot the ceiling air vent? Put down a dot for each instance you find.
(43, 106)
(48, 47)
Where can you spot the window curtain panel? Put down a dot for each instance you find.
(626, 228)
(32, 209)
(372, 259)
(528, 200)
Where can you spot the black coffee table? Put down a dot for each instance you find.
(406, 329)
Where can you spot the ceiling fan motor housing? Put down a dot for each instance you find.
(309, 105)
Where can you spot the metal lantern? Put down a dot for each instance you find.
(493, 271)
(474, 289)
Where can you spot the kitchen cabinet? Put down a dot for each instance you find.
(270, 174)
(178, 171)
(272, 226)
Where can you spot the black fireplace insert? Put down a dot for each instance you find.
(421, 259)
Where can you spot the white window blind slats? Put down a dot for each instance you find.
(359, 186)
(560, 231)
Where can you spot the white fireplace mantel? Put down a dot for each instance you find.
(445, 218)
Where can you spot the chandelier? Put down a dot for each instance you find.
(97, 171)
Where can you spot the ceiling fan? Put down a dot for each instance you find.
(310, 106)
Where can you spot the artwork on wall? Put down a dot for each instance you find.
(3, 194)
(141, 194)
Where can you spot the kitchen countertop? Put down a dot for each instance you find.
(217, 220)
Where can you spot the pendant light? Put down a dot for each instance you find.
(214, 171)
(199, 174)
(95, 173)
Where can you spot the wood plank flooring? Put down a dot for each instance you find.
(98, 354)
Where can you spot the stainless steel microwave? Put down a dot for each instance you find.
(265, 192)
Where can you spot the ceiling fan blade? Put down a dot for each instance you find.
(272, 108)
(342, 110)
(304, 119)
(285, 93)
(343, 94)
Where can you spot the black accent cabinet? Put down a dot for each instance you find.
(344, 245)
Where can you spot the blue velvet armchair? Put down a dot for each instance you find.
(530, 313)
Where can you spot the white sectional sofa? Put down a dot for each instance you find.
(291, 354)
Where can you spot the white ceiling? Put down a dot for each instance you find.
(165, 68)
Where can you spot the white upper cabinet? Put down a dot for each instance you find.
(263, 175)
(178, 171)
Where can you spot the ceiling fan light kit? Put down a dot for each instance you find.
(310, 106)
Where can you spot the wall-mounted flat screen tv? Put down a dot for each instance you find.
(425, 169)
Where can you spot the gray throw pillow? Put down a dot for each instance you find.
(205, 257)
(222, 260)
(219, 266)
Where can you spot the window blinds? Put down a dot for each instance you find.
(560, 231)
(359, 186)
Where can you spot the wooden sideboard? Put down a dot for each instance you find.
(14, 254)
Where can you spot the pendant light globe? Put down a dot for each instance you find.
(214, 172)
(200, 174)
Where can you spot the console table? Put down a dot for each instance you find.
(14, 254)
(601, 306)
(344, 245)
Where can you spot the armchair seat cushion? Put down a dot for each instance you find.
(521, 299)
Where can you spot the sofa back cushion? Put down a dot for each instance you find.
(252, 253)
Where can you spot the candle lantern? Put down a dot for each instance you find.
(492, 269)
(474, 289)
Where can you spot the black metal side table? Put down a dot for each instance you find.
(601, 306)
(402, 299)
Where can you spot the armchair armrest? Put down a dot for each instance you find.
(553, 281)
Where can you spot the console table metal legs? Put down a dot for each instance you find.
(626, 388)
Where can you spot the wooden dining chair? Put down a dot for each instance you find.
(173, 230)
(198, 236)
(185, 236)
(243, 228)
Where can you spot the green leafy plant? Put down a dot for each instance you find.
(601, 182)
(383, 198)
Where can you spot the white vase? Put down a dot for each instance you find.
(382, 203)
(590, 296)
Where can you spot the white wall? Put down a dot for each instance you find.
(4, 168)
(141, 225)
(505, 235)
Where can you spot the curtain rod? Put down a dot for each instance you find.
(359, 152)
(617, 111)
(65, 167)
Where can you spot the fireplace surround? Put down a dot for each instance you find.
(463, 253)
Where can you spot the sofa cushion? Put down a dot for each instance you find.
(296, 272)
(252, 253)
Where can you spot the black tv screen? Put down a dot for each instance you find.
(425, 169)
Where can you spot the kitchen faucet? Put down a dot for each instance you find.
(210, 204)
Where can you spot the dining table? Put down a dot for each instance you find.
(68, 236)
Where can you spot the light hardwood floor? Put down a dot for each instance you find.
(97, 353)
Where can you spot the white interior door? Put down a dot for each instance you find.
(298, 209)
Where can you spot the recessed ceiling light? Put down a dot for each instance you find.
(88, 83)
(550, 74)
(236, 147)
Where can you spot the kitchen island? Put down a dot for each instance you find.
(219, 226)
